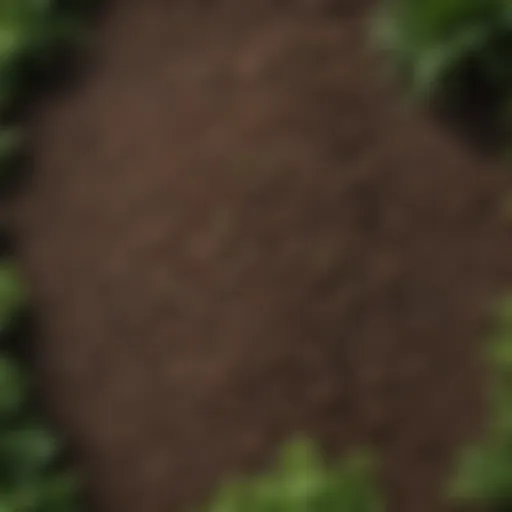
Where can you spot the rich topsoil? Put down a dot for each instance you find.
(236, 230)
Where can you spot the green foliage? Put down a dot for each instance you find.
(439, 44)
(13, 389)
(484, 471)
(13, 297)
(32, 34)
(48, 494)
(26, 451)
(30, 477)
(302, 483)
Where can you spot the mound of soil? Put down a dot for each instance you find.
(236, 230)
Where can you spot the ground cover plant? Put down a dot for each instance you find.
(301, 482)
(33, 37)
(32, 478)
(484, 474)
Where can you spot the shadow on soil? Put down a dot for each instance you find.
(476, 116)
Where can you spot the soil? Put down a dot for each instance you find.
(236, 230)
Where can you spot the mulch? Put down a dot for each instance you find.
(238, 229)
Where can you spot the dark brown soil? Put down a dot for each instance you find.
(237, 230)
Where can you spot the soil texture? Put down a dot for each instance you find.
(237, 230)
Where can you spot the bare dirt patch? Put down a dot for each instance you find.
(235, 230)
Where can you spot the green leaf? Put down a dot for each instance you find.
(25, 452)
(300, 456)
(484, 472)
(13, 41)
(503, 312)
(301, 483)
(19, 499)
(500, 350)
(230, 498)
(485, 476)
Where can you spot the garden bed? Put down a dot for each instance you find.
(237, 230)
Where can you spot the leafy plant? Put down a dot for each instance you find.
(484, 471)
(32, 34)
(26, 452)
(302, 483)
(445, 46)
(48, 494)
